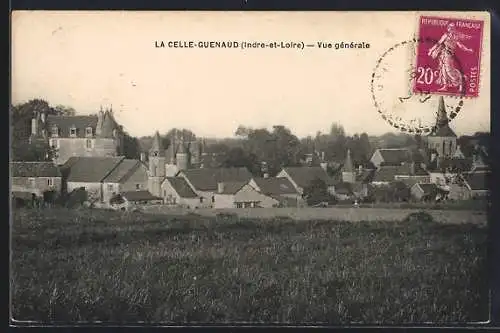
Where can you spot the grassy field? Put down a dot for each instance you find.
(85, 265)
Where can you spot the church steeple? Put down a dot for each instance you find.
(442, 117)
(157, 146)
(348, 174)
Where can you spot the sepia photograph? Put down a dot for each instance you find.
(186, 168)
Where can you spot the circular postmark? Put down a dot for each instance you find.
(399, 101)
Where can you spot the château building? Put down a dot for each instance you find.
(97, 135)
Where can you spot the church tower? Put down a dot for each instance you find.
(182, 156)
(348, 173)
(442, 138)
(156, 166)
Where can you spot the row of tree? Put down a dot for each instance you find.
(251, 147)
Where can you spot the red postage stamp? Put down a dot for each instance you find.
(448, 56)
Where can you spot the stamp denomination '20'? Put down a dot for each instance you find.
(450, 65)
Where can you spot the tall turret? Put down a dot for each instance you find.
(348, 172)
(182, 156)
(156, 165)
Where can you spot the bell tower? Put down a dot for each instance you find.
(156, 166)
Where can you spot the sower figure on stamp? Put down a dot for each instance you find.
(444, 51)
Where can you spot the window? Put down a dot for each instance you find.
(213, 198)
(72, 131)
(239, 205)
(164, 193)
(201, 199)
(50, 182)
(88, 144)
(88, 131)
(155, 154)
(110, 187)
(55, 131)
(32, 182)
(137, 186)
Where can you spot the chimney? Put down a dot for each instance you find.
(143, 157)
(266, 175)
(322, 156)
(360, 169)
(220, 187)
(412, 168)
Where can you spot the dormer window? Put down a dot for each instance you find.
(72, 131)
(54, 131)
(88, 131)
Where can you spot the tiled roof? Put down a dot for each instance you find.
(123, 171)
(275, 186)
(64, 123)
(303, 176)
(34, 169)
(387, 173)
(181, 187)
(90, 169)
(395, 156)
(233, 187)
(478, 181)
(139, 196)
(206, 179)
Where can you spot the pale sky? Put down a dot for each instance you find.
(88, 59)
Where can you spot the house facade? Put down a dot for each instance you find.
(35, 177)
(241, 195)
(391, 156)
(280, 189)
(91, 136)
(104, 177)
(177, 192)
(204, 181)
(301, 177)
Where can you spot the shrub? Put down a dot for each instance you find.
(419, 217)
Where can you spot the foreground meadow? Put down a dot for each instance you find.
(85, 265)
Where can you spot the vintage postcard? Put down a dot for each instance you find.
(185, 168)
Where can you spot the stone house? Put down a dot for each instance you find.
(241, 195)
(34, 178)
(407, 173)
(90, 135)
(177, 192)
(280, 189)
(471, 185)
(204, 181)
(104, 177)
(301, 177)
(391, 156)
(425, 192)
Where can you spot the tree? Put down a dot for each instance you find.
(237, 157)
(131, 146)
(242, 131)
(316, 192)
(64, 110)
(399, 191)
(21, 116)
